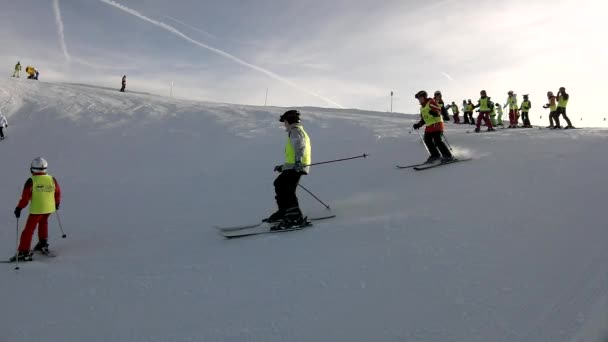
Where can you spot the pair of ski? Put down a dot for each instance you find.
(266, 228)
(50, 254)
(426, 166)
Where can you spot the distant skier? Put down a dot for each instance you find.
(500, 113)
(484, 104)
(512, 103)
(525, 110)
(492, 113)
(3, 123)
(562, 103)
(17, 69)
(297, 161)
(456, 113)
(433, 133)
(469, 113)
(464, 112)
(552, 106)
(45, 195)
(124, 83)
(444, 111)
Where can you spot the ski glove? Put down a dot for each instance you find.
(17, 212)
(278, 168)
(56, 206)
(417, 125)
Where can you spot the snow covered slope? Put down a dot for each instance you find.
(508, 247)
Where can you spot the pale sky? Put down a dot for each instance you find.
(323, 53)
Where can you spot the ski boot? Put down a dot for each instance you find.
(569, 127)
(431, 160)
(21, 256)
(43, 247)
(490, 129)
(446, 160)
(477, 130)
(293, 219)
(278, 216)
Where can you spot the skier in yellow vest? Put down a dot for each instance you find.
(297, 161)
(500, 113)
(17, 69)
(562, 102)
(469, 112)
(43, 194)
(484, 104)
(512, 103)
(552, 105)
(525, 110)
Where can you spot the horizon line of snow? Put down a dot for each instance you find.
(175, 31)
(59, 22)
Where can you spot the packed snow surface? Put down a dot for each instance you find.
(511, 246)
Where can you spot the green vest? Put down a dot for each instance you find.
(492, 111)
(512, 103)
(552, 106)
(43, 195)
(470, 107)
(499, 109)
(484, 104)
(455, 109)
(427, 117)
(525, 106)
(290, 152)
(562, 102)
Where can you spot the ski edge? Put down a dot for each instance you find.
(441, 164)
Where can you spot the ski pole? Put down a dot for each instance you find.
(60, 226)
(446, 142)
(17, 245)
(315, 197)
(337, 160)
(421, 139)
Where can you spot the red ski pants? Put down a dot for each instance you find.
(486, 118)
(513, 117)
(40, 220)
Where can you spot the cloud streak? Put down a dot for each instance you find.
(218, 51)
(191, 27)
(59, 22)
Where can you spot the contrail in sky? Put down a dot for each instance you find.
(447, 76)
(191, 27)
(59, 22)
(218, 51)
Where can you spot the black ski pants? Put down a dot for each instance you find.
(285, 189)
(562, 111)
(1, 132)
(525, 118)
(434, 142)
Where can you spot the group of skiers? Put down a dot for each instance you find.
(43, 193)
(491, 113)
(31, 71)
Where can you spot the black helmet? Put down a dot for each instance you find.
(437, 92)
(291, 116)
(421, 93)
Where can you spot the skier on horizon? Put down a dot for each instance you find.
(512, 103)
(552, 106)
(455, 112)
(44, 193)
(430, 113)
(562, 102)
(17, 69)
(525, 111)
(3, 123)
(469, 113)
(484, 104)
(124, 83)
(297, 161)
(500, 113)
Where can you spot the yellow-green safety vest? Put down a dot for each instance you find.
(470, 107)
(455, 109)
(484, 104)
(427, 117)
(290, 152)
(512, 102)
(43, 195)
(562, 102)
(525, 106)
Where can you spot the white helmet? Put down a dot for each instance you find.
(39, 165)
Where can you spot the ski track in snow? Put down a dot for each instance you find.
(508, 247)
